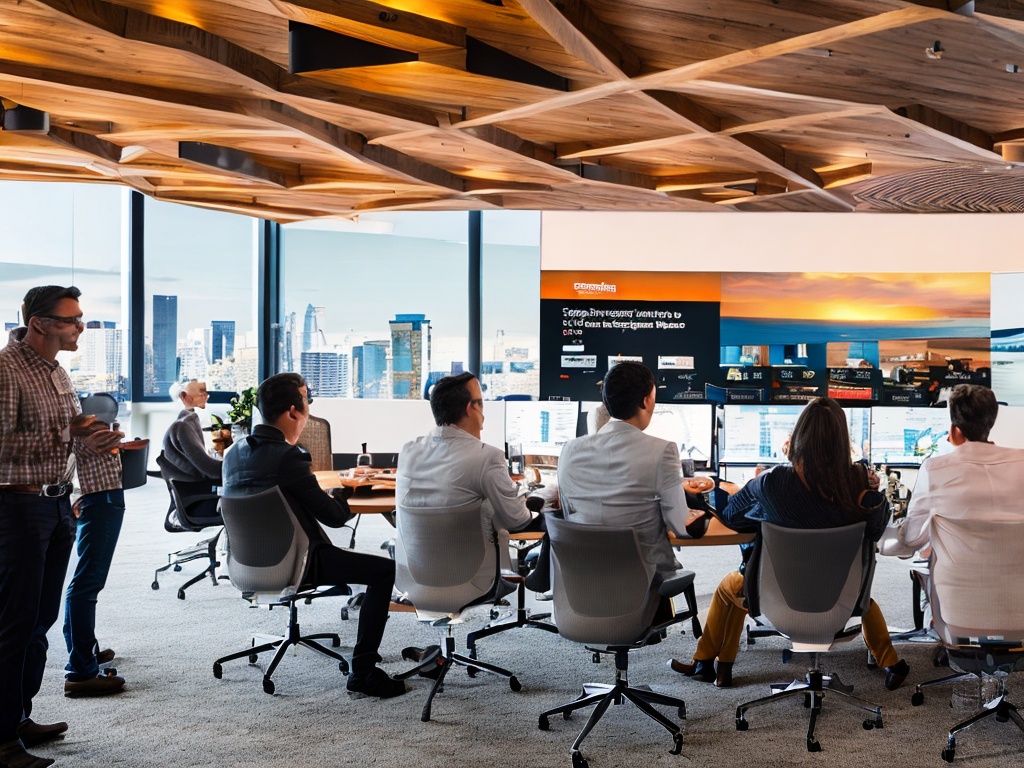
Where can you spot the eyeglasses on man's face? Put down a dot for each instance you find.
(64, 320)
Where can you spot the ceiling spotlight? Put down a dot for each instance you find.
(935, 52)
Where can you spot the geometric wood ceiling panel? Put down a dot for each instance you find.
(297, 109)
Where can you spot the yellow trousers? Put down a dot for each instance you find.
(724, 626)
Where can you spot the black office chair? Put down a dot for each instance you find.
(193, 508)
(606, 596)
(977, 610)
(808, 584)
(267, 553)
(102, 405)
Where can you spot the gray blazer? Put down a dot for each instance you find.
(620, 476)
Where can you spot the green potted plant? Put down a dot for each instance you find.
(242, 406)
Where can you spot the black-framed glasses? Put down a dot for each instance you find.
(309, 399)
(64, 320)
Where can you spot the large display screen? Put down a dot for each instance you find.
(540, 426)
(687, 425)
(908, 436)
(756, 434)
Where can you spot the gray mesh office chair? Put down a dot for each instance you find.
(102, 405)
(316, 439)
(607, 595)
(977, 610)
(267, 555)
(193, 508)
(443, 565)
(808, 583)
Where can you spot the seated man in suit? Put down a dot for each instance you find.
(269, 457)
(620, 476)
(979, 479)
(183, 445)
(451, 465)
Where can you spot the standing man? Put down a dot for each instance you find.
(451, 466)
(40, 419)
(979, 479)
(100, 512)
(269, 457)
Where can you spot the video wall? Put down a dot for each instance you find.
(893, 339)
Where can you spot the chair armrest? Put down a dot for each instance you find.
(677, 584)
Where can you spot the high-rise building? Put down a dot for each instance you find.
(313, 338)
(410, 355)
(290, 344)
(326, 373)
(222, 339)
(101, 356)
(165, 343)
(370, 369)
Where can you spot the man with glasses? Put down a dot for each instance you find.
(41, 428)
(451, 466)
(269, 457)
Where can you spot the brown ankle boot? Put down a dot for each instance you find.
(724, 676)
(702, 669)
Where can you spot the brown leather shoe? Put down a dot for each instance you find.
(101, 685)
(105, 656)
(13, 755)
(699, 669)
(32, 733)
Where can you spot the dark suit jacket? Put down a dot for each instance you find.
(264, 460)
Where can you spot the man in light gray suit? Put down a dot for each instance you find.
(621, 477)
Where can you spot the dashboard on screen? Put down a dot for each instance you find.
(540, 426)
(908, 436)
(756, 434)
(688, 425)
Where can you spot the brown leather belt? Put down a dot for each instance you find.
(55, 491)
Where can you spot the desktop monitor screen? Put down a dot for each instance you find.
(540, 426)
(755, 434)
(907, 436)
(688, 425)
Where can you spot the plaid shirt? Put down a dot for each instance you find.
(37, 403)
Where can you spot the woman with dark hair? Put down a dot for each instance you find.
(821, 487)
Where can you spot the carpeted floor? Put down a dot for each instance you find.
(174, 713)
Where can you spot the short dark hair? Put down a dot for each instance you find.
(278, 394)
(43, 299)
(449, 398)
(973, 410)
(625, 386)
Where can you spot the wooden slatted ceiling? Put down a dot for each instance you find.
(734, 105)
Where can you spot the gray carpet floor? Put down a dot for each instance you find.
(174, 713)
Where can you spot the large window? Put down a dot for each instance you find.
(70, 234)
(510, 303)
(375, 308)
(200, 299)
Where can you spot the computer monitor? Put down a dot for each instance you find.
(755, 434)
(540, 426)
(688, 425)
(908, 436)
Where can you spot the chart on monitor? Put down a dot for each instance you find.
(540, 427)
(908, 436)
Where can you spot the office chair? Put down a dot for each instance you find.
(606, 596)
(193, 508)
(443, 565)
(267, 556)
(977, 610)
(316, 439)
(808, 583)
(102, 405)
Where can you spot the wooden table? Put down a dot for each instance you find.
(716, 536)
(370, 496)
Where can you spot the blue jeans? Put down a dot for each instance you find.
(36, 535)
(99, 525)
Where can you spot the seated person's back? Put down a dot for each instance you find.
(184, 449)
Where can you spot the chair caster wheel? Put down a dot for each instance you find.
(677, 744)
(869, 725)
(813, 746)
(514, 684)
(218, 671)
(253, 658)
(268, 685)
(343, 666)
(155, 585)
(579, 761)
(335, 642)
(177, 569)
(566, 715)
(181, 594)
(682, 713)
(917, 699)
(948, 755)
(543, 723)
(472, 673)
(741, 725)
(494, 614)
(344, 614)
